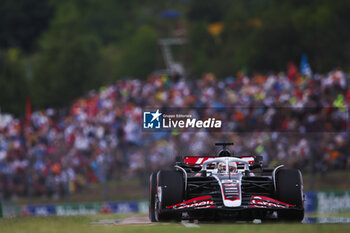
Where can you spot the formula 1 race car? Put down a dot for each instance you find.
(226, 187)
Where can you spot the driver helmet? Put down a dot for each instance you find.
(232, 166)
(221, 167)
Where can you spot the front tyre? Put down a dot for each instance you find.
(152, 196)
(289, 188)
(170, 191)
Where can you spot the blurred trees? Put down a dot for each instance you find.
(263, 35)
(54, 51)
(13, 85)
(138, 58)
(67, 64)
(22, 22)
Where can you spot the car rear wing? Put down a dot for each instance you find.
(197, 161)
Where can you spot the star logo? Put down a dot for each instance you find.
(156, 115)
(151, 120)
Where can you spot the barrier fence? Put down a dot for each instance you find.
(316, 202)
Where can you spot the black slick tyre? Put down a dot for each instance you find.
(171, 184)
(289, 189)
(152, 196)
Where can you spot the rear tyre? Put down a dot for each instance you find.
(171, 185)
(152, 196)
(289, 187)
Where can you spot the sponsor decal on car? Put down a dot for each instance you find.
(198, 202)
(266, 202)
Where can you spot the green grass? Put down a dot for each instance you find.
(82, 224)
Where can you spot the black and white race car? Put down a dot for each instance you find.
(226, 187)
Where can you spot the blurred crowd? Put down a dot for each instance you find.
(100, 137)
